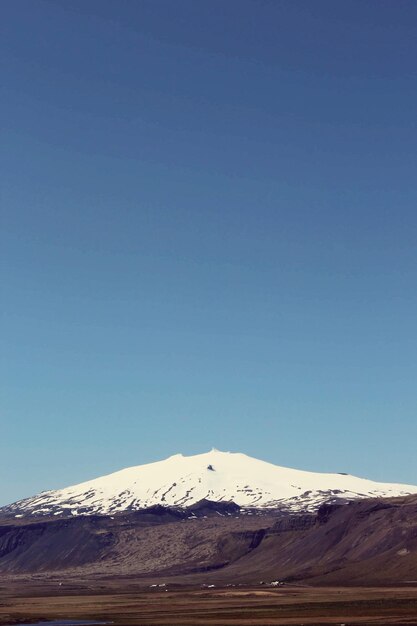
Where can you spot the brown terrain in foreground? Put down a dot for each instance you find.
(347, 564)
(243, 606)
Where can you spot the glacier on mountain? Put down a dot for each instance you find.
(181, 481)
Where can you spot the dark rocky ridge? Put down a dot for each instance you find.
(365, 542)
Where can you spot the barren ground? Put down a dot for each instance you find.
(22, 601)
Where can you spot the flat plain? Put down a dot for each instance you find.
(129, 604)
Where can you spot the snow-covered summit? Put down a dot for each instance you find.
(219, 476)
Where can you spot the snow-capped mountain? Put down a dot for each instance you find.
(182, 481)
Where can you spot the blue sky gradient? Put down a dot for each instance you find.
(208, 235)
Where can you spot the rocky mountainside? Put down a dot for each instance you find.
(366, 542)
(181, 481)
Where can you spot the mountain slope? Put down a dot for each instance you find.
(217, 476)
(367, 542)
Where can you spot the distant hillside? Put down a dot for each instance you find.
(361, 543)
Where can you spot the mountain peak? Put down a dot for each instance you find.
(214, 475)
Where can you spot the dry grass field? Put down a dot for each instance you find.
(203, 607)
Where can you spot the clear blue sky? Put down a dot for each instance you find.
(209, 235)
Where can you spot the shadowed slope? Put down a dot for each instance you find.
(365, 542)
